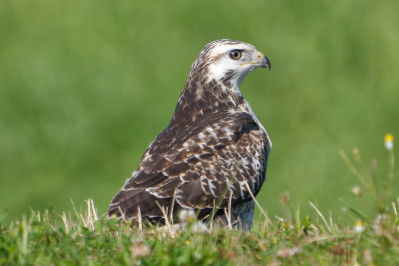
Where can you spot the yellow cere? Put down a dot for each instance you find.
(260, 55)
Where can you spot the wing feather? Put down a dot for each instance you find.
(198, 167)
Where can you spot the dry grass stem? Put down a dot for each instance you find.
(321, 215)
(123, 217)
(65, 221)
(139, 219)
(172, 205)
(353, 169)
(257, 203)
(228, 218)
(168, 225)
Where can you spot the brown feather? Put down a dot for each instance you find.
(212, 145)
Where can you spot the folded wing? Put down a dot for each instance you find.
(198, 168)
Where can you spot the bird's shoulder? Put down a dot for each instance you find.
(180, 143)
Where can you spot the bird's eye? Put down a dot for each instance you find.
(235, 54)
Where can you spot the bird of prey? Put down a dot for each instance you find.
(213, 150)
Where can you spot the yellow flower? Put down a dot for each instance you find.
(388, 141)
(359, 227)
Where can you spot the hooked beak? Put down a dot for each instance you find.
(263, 61)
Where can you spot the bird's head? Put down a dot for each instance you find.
(228, 61)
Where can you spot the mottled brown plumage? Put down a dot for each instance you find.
(213, 145)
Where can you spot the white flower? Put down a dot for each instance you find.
(186, 215)
(359, 227)
(357, 191)
(388, 141)
(199, 227)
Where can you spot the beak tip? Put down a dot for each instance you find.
(266, 63)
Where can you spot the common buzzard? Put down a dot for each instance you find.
(213, 150)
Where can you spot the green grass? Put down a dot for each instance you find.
(85, 86)
(83, 239)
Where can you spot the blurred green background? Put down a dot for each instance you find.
(85, 86)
